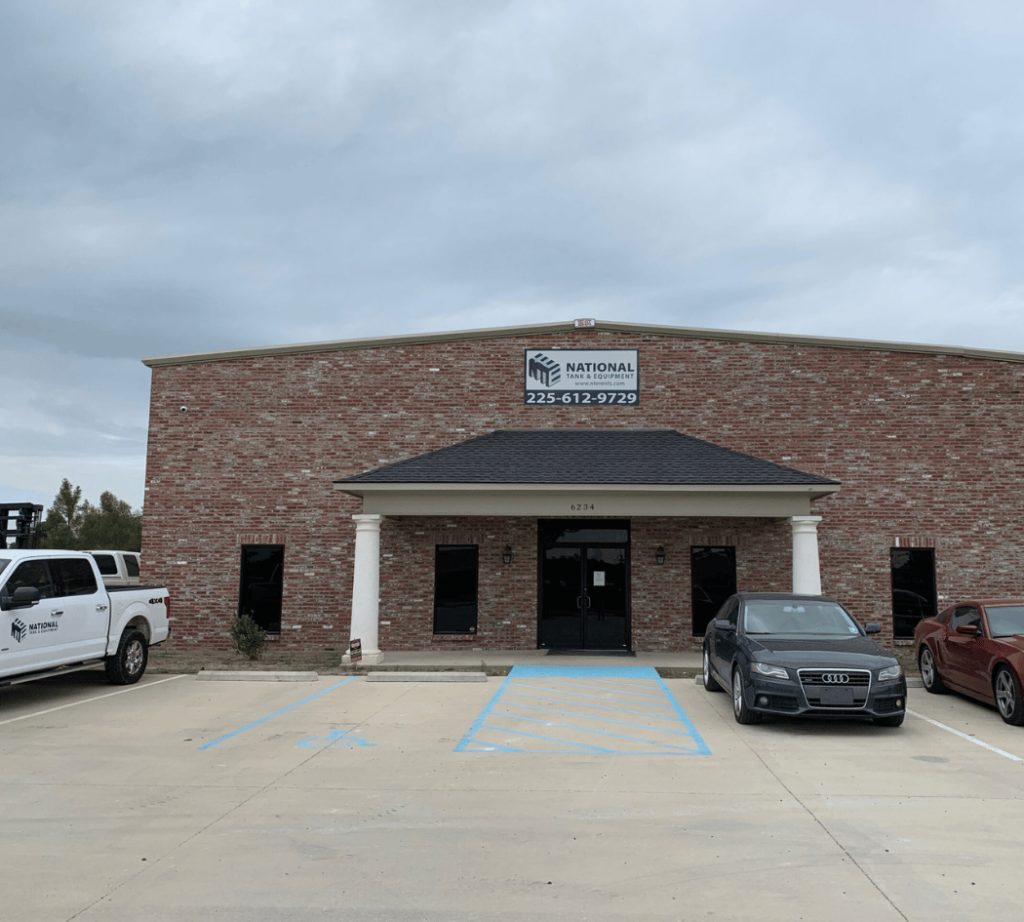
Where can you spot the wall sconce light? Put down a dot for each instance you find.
(659, 555)
(506, 555)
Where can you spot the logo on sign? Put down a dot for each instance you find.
(18, 629)
(544, 370)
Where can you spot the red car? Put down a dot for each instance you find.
(976, 648)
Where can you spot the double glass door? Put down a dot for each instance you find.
(585, 590)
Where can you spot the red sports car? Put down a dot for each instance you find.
(976, 648)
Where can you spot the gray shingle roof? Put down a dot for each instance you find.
(592, 456)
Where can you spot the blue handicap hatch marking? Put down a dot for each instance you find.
(601, 709)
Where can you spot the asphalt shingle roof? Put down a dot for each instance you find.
(594, 456)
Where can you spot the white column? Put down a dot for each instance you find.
(806, 571)
(366, 587)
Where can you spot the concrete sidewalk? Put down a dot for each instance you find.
(500, 662)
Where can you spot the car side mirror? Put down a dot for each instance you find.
(24, 597)
(872, 627)
(724, 624)
(971, 630)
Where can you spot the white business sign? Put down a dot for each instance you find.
(599, 377)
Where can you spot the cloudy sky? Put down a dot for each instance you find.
(183, 176)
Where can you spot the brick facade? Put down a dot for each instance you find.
(925, 443)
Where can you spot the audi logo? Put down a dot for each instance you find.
(835, 678)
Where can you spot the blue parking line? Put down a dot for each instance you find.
(621, 736)
(502, 713)
(263, 720)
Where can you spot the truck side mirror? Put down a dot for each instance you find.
(24, 597)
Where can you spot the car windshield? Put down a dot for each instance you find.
(1005, 620)
(787, 616)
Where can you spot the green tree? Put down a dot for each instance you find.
(74, 525)
(63, 518)
(111, 526)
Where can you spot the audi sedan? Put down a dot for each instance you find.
(976, 648)
(801, 656)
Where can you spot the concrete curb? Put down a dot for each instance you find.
(233, 676)
(426, 677)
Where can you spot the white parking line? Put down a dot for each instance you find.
(122, 691)
(970, 739)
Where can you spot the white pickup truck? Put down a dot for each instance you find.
(57, 616)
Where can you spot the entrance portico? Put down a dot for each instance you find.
(591, 474)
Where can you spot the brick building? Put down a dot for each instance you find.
(585, 484)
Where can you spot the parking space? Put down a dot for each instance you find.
(626, 710)
(345, 799)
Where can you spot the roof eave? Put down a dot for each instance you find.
(596, 326)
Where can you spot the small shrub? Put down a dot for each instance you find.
(247, 638)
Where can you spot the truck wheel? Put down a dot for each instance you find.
(128, 664)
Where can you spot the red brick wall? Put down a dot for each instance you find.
(927, 448)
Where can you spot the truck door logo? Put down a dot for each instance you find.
(19, 628)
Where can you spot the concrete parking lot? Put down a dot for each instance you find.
(546, 795)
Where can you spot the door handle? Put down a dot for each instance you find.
(58, 612)
(579, 602)
(101, 608)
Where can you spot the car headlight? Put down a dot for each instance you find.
(773, 672)
(890, 673)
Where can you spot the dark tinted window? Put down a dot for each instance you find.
(28, 573)
(455, 589)
(965, 614)
(712, 581)
(913, 588)
(731, 612)
(262, 585)
(73, 576)
(131, 564)
(106, 563)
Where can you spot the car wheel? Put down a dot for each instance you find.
(710, 684)
(930, 678)
(1008, 699)
(739, 707)
(896, 720)
(128, 664)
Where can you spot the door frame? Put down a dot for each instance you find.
(596, 524)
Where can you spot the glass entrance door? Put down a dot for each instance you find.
(585, 591)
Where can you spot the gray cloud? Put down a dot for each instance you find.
(186, 176)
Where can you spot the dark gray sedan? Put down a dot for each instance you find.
(801, 656)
